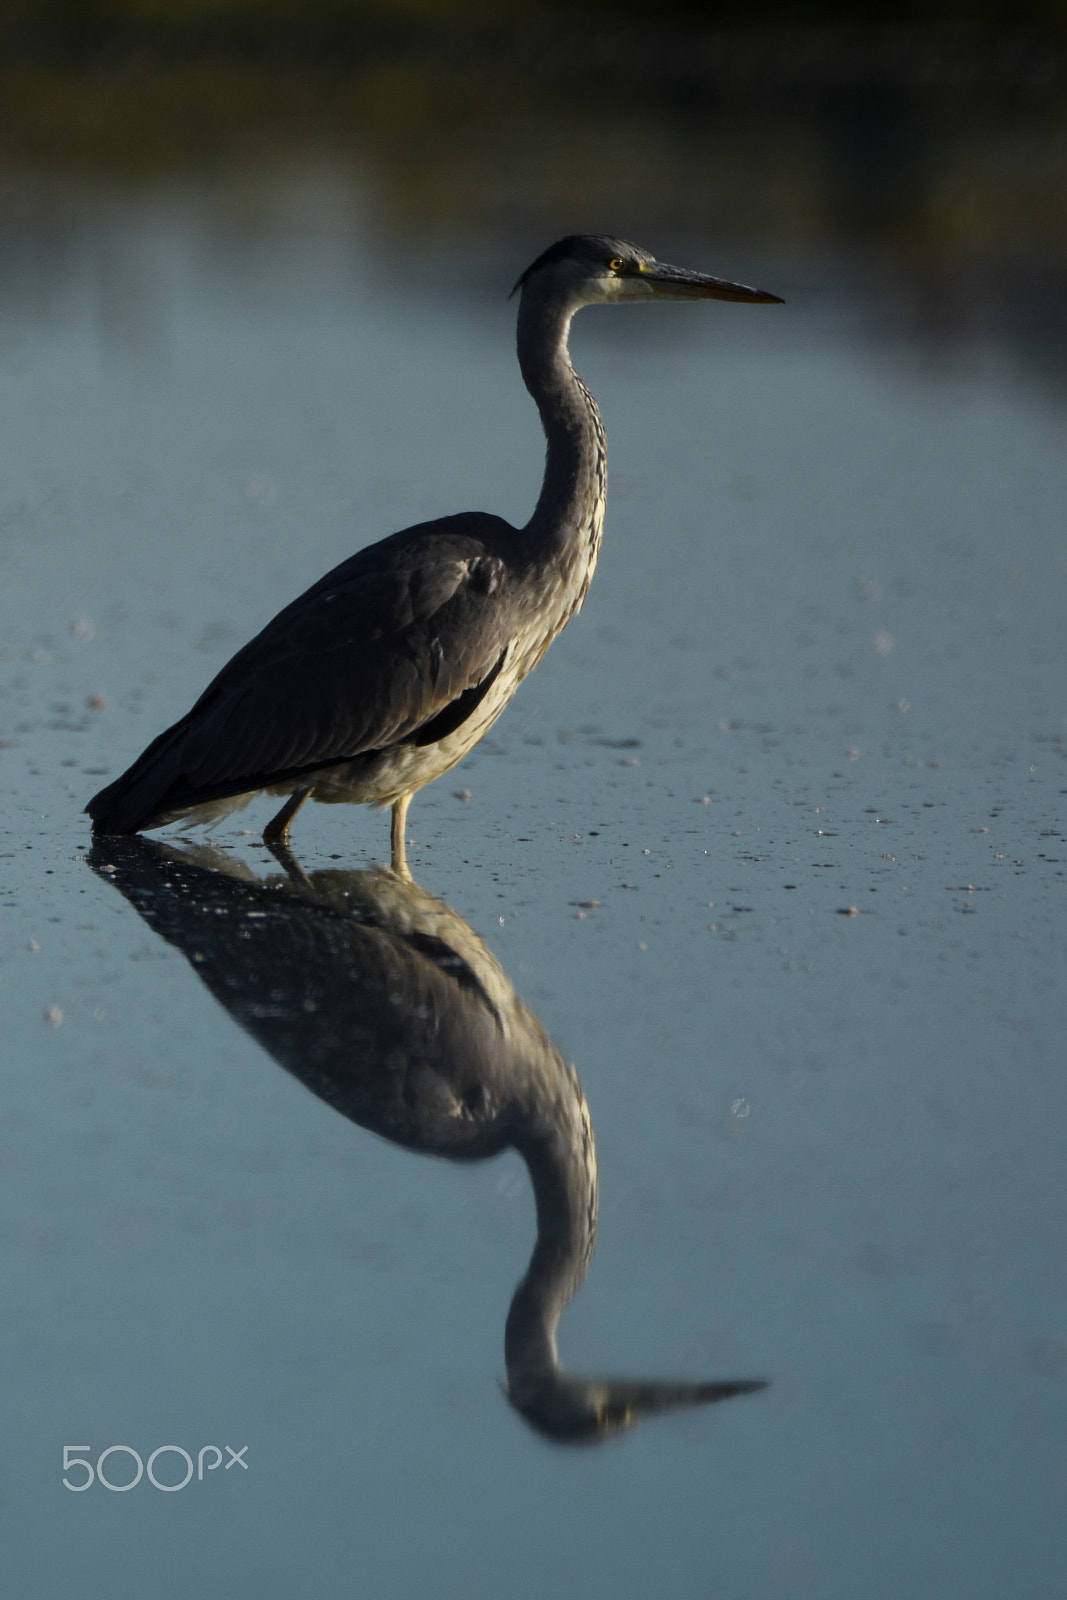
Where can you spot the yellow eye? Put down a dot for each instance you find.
(618, 263)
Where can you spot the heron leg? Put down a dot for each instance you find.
(400, 818)
(277, 829)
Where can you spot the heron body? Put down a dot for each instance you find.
(384, 674)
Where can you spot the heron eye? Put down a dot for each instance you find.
(618, 264)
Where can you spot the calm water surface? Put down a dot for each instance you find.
(772, 844)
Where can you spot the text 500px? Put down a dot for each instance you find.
(208, 1458)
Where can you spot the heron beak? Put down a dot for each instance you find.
(677, 283)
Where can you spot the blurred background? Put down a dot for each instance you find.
(929, 138)
(254, 260)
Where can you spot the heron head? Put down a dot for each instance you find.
(583, 1410)
(596, 269)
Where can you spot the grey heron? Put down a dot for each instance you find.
(385, 673)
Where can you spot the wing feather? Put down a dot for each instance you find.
(380, 646)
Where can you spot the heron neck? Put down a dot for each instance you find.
(570, 511)
(562, 1164)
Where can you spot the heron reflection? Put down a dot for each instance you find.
(387, 1005)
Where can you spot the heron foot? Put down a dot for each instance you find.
(277, 829)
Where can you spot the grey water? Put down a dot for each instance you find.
(772, 844)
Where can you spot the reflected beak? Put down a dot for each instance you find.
(677, 283)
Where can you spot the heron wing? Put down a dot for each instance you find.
(377, 649)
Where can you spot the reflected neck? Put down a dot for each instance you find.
(563, 1171)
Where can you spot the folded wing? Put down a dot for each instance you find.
(397, 639)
